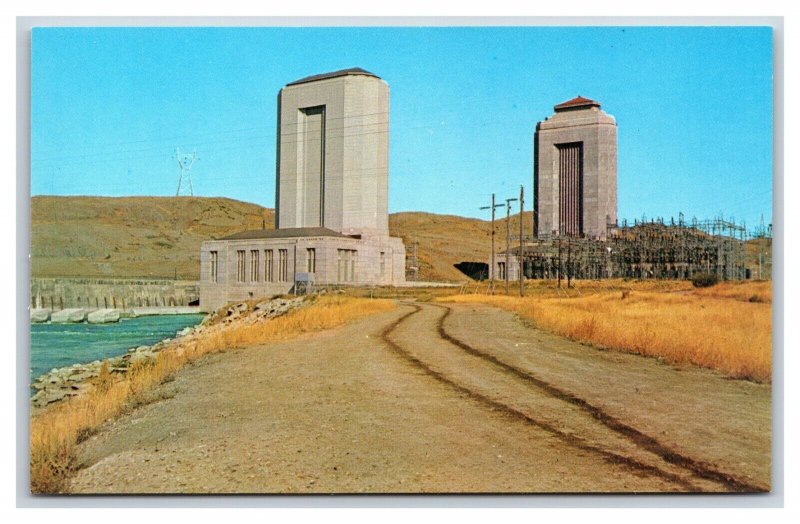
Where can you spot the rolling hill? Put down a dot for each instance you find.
(76, 236)
(161, 236)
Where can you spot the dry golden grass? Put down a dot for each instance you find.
(753, 291)
(726, 334)
(55, 432)
(550, 288)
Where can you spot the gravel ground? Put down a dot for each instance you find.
(386, 405)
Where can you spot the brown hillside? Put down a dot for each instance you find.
(131, 236)
(161, 236)
(445, 240)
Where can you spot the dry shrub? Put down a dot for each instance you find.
(729, 335)
(55, 432)
(705, 280)
(104, 380)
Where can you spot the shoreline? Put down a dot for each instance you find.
(74, 380)
(69, 381)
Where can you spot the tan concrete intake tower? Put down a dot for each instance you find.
(331, 201)
(575, 171)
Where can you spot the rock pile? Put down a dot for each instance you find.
(251, 312)
(64, 382)
(76, 379)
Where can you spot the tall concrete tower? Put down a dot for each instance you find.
(575, 170)
(333, 153)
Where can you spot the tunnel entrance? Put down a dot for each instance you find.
(474, 270)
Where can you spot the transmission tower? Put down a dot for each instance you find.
(185, 163)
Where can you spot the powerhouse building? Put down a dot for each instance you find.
(331, 201)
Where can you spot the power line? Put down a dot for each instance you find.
(270, 136)
(457, 109)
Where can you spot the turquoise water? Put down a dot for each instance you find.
(59, 345)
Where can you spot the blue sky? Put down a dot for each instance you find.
(693, 105)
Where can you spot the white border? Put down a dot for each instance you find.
(696, 8)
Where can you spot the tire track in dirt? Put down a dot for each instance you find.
(698, 468)
(569, 439)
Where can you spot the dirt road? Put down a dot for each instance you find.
(435, 399)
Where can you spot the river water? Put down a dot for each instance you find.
(60, 345)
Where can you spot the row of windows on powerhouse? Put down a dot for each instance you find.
(346, 264)
(254, 265)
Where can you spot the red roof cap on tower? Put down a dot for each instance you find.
(576, 103)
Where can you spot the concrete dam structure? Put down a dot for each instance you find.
(124, 294)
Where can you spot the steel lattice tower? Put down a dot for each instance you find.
(185, 163)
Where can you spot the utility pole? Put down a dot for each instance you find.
(759, 266)
(521, 258)
(493, 207)
(559, 263)
(569, 262)
(416, 261)
(508, 240)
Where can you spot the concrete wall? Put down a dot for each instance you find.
(597, 131)
(354, 144)
(227, 288)
(117, 293)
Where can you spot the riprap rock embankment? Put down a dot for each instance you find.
(66, 382)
